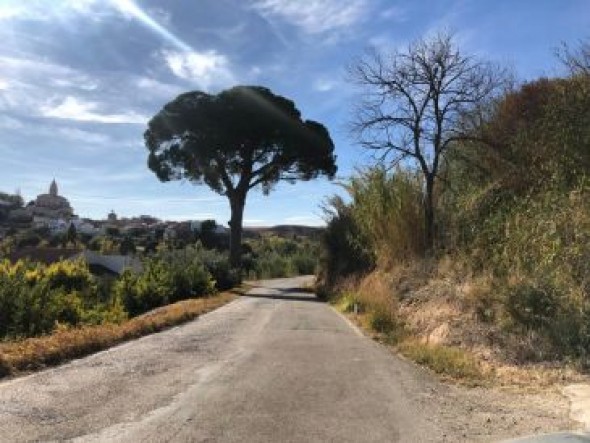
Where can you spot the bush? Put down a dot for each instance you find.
(148, 290)
(170, 276)
(532, 306)
(34, 297)
(275, 257)
(217, 264)
(345, 251)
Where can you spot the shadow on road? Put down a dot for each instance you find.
(294, 294)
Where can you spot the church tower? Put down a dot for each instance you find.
(53, 189)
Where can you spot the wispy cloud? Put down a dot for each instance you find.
(315, 16)
(72, 108)
(81, 135)
(325, 84)
(207, 69)
(394, 13)
(44, 11)
(155, 87)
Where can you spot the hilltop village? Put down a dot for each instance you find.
(47, 228)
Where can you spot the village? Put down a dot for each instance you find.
(47, 229)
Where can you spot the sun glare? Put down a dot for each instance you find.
(130, 8)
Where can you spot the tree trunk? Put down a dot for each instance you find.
(237, 203)
(429, 225)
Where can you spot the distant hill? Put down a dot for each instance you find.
(286, 231)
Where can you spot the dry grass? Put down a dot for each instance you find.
(447, 320)
(444, 360)
(69, 343)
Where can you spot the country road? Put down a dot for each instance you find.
(274, 366)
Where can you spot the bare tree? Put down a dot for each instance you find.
(577, 61)
(414, 105)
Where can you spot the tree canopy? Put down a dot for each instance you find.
(244, 134)
(242, 138)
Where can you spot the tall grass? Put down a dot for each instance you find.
(389, 207)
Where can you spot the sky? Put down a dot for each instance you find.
(80, 79)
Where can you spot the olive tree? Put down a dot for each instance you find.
(234, 141)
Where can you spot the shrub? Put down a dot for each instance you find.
(217, 264)
(34, 297)
(345, 250)
(531, 305)
(148, 290)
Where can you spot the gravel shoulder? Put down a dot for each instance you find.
(273, 366)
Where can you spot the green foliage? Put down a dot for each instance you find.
(274, 257)
(34, 298)
(524, 212)
(217, 264)
(168, 277)
(239, 139)
(532, 306)
(345, 248)
(127, 246)
(148, 290)
(515, 205)
(382, 224)
(207, 235)
(245, 131)
(388, 208)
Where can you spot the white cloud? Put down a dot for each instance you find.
(315, 16)
(395, 13)
(25, 82)
(18, 68)
(46, 11)
(72, 108)
(8, 11)
(207, 69)
(324, 84)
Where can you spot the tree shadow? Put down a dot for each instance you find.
(293, 294)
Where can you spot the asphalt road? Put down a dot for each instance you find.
(275, 366)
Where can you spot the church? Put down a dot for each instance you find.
(50, 209)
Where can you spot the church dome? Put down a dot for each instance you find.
(52, 205)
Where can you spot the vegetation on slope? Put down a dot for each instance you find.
(510, 278)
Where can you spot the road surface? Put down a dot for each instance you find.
(274, 366)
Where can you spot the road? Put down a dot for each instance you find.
(274, 366)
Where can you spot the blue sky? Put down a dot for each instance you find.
(79, 79)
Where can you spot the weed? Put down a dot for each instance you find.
(445, 360)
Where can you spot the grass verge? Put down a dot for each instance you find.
(447, 361)
(68, 343)
(371, 305)
(444, 360)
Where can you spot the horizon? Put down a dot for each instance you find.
(77, 94)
